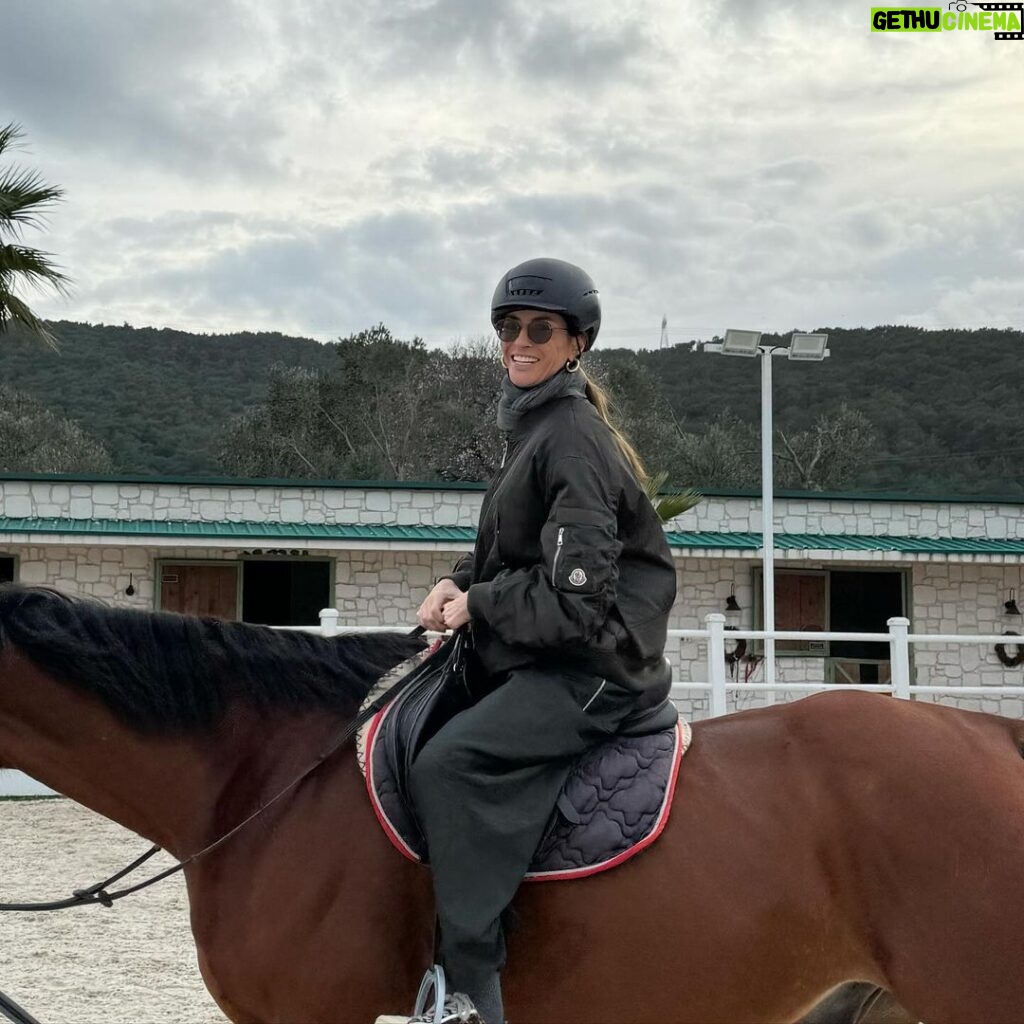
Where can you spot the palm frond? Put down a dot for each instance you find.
(13, 309)
(23, 198)
(668, 506)
(672, 505)
(9, 133)
(32, 265)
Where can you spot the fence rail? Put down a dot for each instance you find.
(718, 685)
(899, 638)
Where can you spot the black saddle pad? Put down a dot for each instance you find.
(614, 804)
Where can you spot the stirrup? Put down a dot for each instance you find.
(445, 1008)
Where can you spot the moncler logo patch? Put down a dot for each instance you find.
(577, 577)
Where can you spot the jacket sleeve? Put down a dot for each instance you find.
(567, 596)
(462, 574)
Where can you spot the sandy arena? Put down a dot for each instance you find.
(132, 964)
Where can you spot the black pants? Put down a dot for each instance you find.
(484, 788)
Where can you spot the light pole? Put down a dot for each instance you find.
(801, 348)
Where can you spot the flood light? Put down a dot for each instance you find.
(809, 347)
(740, 343)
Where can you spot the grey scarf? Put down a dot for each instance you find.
(517, 402)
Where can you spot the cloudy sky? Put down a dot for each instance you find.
(316, 166)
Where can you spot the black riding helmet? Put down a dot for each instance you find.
(553, 286)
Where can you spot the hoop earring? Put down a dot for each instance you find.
(572, 365)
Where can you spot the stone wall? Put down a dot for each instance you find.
(460, 506)
(847, 516)
(211, 503)
(966, 599)
(371, 587)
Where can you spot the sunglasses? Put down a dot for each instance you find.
(538, 331)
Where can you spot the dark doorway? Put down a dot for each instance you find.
(6, 569)
(279, 592)
(863, 602)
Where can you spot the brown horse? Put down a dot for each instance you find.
(843, 837)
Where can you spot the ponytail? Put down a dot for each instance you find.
(600, 400)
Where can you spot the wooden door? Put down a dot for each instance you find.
(799, 604)
(200, 590)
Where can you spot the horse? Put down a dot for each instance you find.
(843, 837)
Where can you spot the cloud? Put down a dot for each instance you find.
(580, 46)
(150, 83)
(316, 167)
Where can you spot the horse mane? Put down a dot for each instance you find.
(164, 673)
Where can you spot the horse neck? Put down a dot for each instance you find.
(181, 792)
(159, 787)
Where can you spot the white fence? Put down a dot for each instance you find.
(717, 687)
(899, 638)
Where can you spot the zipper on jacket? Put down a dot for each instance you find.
(558, 552)
(497, 484)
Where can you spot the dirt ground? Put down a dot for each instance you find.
(131, 964)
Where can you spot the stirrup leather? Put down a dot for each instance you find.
(445, 1007)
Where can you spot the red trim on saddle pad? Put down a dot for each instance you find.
(682, 733)
(385, 823)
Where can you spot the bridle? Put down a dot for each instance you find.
(98, 892)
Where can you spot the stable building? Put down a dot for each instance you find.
(277, 551)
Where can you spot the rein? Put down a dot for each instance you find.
(97, 893)
(12, 1011)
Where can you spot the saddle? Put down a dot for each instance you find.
(614, 804)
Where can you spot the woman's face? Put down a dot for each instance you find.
(528, 363)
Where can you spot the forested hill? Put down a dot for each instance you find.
(945, 405)
(158, 400)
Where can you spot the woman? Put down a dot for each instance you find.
(566, 598)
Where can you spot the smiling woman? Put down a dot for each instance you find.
(566, 595)
(535, 346)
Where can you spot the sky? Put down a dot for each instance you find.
(317, 166)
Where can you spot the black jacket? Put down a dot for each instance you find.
(571, 562)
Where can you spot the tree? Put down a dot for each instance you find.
(286, 436)
(35, 440)
(376, 400)
(392, 410)
(24, 197)
(460, 439)
(639, 408)
(829, 454)
(727, 453)
(722, 453)
(368, 418)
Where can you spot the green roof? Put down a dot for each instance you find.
(238, 531)
(851, 542)
(467, 534)
(471, 485)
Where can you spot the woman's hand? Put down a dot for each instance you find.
(430, 614)
(456, 611)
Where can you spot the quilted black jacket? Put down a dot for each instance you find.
(570, 562)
